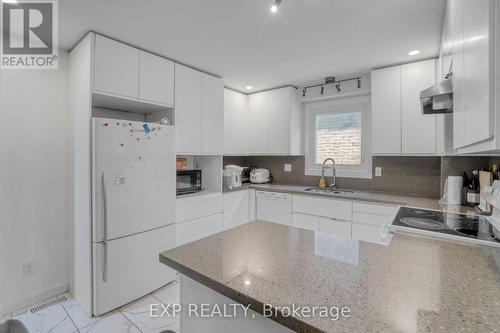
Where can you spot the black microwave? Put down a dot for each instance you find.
(188, 181)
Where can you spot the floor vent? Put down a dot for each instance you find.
(44, 306)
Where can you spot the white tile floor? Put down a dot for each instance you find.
(69, 317)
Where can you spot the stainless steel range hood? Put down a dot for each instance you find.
(438, 98)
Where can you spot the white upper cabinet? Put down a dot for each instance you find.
(275, 123)
(188, 98)
(257, 123)
(121, 70)
(386, 111)
(235, 123)
(116, 68)
(418, 129)
(471, 29)
(199, 112)
(212, 115)
(398, 124)
(156, 79)
(477, 68)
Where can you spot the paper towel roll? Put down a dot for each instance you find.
(453, 190)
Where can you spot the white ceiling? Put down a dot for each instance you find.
(243, 42)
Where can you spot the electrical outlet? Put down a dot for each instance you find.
(28, 269)
(288, 168)
(378, 171)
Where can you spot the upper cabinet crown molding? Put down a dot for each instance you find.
(398, 124)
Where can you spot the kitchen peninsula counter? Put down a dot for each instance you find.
(415, 284)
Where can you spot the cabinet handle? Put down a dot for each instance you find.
(105, 229)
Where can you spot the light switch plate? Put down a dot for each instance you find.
(378, 171)
(288, 168)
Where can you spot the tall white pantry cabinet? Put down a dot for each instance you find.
(109, 79)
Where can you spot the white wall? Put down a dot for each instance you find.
(33, 184)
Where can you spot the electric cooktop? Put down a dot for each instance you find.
(472, 228)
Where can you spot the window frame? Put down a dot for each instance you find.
(339, 105)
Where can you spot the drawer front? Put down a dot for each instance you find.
(193, 230)
(367, 233)
(308, 222)
(190, 208)
(376, 215)
(334, 208)
(335, 227)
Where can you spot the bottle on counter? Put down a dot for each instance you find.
(495, 171)
(473, 190)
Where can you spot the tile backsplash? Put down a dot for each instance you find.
(406, 175)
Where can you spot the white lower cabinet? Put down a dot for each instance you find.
(320, 206)
(239, 208)
(308, 222)
(193, 230)
(369, 221)
(274, 207)
(335, 227)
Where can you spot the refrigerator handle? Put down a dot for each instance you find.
(105, 229)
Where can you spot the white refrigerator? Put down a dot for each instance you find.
(133, 209)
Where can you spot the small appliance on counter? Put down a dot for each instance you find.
(188, 181)
(232, 176)
(452, 194)
(260, 176)
(245, 174)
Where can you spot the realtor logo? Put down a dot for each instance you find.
(29, 34)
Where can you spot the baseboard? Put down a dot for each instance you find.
(33, 299)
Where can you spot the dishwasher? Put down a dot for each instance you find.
(274, 207)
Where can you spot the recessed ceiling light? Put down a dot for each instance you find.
(248, 87)
(275, 6)
(413, 52)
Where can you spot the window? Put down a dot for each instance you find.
(338, 129)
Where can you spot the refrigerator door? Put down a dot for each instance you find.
(130, 268)
(133, 177)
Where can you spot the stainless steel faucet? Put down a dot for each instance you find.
(334, 172)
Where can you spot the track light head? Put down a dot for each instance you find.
(322, 89)
(304, 92)
(359, 83)
(338, 87)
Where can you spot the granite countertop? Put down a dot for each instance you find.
(366, 196)
(415, 284)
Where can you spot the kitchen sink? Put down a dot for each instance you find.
(327, 190)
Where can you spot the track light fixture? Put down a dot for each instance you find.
(332, 80)
(275, 6)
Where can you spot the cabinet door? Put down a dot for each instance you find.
(257, 125)
(212, 114)
(236, 208)
(193, 230)
(274, 207)
(278, 118)
(156, 79)
(457, 34)
(334, 208)
(418, 129)
(304, 221)
(235, 122)
(116, 68)
(187, 110)
(386, 110)
(477, 70)
(369, 233)
(335, 227)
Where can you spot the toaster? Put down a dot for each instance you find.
(260, 176)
